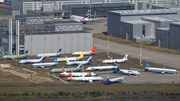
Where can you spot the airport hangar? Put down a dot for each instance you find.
(40, 34)
(142, 25)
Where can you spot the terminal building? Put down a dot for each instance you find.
(40, 34)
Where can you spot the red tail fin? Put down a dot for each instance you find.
(63, 70)
(94, 50)
(70, 75)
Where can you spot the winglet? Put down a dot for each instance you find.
(59, 51)
(147, 65)
(94, 50)
(108, 78)
(26, 52)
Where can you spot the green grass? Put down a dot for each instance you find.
(134, 44)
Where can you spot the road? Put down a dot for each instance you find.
(171, 60)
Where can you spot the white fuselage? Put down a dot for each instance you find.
(78, 18)
(66, 59)
(85, 53)
(129, 72)
(86, 78)
(79, 73)
(43, 64)
(76, 62)
(100, 67)
(30, 61)
(48, 54)
(114, 60)
(119, 79)
(161, 70)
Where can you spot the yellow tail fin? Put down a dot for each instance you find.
(81, 56)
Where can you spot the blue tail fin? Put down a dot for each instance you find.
(55, 60)
(108, 78)
(89, 60)
(115, 63)
(42, 58)
(117, 69)
(59, 51)
(147, 65)
(80, 66)
(26, 52)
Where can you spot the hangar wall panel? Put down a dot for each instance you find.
(80, 42)
(41, 44)
(55, 41)
(74, 44)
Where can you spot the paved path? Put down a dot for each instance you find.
(54, 76)
(163, 58)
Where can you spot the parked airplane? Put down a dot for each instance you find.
(68, 69)
(83, 78)
(71, 58)
(32, 60)
(115, 80)
(85, 52)
(81, 18)
(42, 65)
(16, 56)
(127, 72)
(49, 54)
(159, 70)
(118, 60)
(78, 73)
(102, 67)
(79, 62)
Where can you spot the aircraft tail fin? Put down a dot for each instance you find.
(26, 52)
(55, 60)
(125, 57)
(42, 58)
(147, 65)
(70, 76)
(80, 66)
(81, 56)
(89, 60)
(108, 78)
(59, 51)
(115, 63)
(117, 69)
(94, 50)
(63, 71)
(87, 14)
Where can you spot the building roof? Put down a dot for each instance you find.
(177, 23)
(140, 12)
(55, 11)
(62, 21)
(104, 4)
(65, 32)
(48, 0)
(161, 19)
(137, 22)
(7, 8)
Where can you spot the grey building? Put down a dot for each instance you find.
(162, 37)
(97, 10)
(159, 17)
(9, 11)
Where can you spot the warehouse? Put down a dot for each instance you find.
(9, 11)
(162, 37)
(159, 17)
(41, 34)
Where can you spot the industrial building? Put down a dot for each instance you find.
(121, 23)
(169, 37)
(40, 34)
(97, 10)
(25, 5)
(9, 11)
